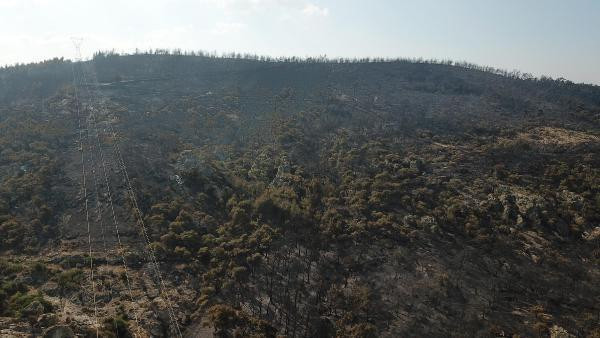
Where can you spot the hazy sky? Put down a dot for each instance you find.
(560, 38)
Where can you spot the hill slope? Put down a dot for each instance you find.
(296, 198)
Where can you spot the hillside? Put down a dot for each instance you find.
(302, 198)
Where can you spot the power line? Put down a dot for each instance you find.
(150, 249)
(131, 191)
(77, 44)
(99, 209)
(115, 222)
(138, 213)
(111, 204)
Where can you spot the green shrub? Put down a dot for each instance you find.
(7, 290)
(72, 261)
(19, 301)
(117, 327)
(70, 279)
(39, 272)
(8, 268)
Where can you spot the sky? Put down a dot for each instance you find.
(557, 38)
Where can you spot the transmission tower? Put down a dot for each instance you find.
(77, 42)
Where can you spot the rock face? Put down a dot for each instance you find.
(59, 331)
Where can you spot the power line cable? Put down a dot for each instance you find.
(99, 208)
(111, 204)
(82, 146)
(138, 213)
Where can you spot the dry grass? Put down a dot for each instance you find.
(558, 136)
